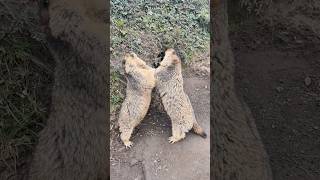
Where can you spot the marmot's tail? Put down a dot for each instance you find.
(198, 130)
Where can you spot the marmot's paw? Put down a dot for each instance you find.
(128, 144)
(173, 139)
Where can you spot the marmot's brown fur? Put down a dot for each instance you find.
(72, 146)
(140, 82)
(169, 83)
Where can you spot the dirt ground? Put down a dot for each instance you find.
(277, 75)
(153, 158)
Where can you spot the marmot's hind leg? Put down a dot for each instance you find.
(177, 134)
(125, 137)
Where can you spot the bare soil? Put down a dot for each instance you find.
(152, 157)
(278, 76)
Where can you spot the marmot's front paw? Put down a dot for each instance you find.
(128, 144)
(173, 139)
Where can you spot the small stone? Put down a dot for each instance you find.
(315, 127)
(307, 81)
(279, 89)
(133, 162)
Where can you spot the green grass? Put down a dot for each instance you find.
(180, 24)
(116, 94)
(147, 27)
(22, 106)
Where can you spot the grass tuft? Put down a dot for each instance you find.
(23, 102)
(179, 24)
(116, 91)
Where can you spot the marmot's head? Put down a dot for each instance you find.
(137, 72)
(170, 58)
(132, 61)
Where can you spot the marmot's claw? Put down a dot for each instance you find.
(128, 144)
(172, 140)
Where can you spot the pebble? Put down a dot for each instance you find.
(307, 81)
(279, 89)
(133, 162)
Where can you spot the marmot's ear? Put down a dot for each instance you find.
(175, 61)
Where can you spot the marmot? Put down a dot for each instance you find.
(140, 82)
(72, 145)
(169, 83)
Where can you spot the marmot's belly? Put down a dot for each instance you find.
(179, 110)
(137, 106)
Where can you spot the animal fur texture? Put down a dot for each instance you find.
(73, 144)
(140, 82)
(169, 83)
